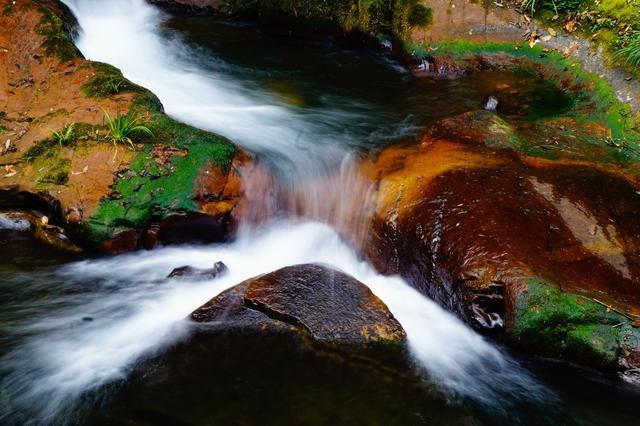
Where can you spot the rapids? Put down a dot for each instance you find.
(109, 313)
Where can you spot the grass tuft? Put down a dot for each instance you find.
(64, 136)
(122, 127)
(629, 54)
(106, 82)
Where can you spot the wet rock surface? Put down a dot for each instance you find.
(233, 376)
(326, 304)
(37, 224)
(191, 273)
(468, 225)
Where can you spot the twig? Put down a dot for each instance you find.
(624, 314)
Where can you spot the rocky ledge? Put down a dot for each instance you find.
(58, 156)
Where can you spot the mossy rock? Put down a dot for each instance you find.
(154, 188)
(57, 41)
(551, 322)
(107, 81)
(602, 129)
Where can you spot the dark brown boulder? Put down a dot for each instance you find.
(314, 300)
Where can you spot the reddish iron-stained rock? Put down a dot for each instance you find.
(462, 221)
(468, 225)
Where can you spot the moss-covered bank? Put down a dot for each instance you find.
(96, 188)
(613, 24)
(381, 18)
(595, 126)
(550, 322)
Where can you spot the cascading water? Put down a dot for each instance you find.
(90, 336)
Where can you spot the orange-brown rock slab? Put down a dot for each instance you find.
(38, 92)
(463, 221)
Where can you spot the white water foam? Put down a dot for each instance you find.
(14, 223)
(126, 34)
(135, 312)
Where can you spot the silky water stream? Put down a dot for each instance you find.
(75, 331)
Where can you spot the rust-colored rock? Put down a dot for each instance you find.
(462, 222)
(122, 242)
(87, 181)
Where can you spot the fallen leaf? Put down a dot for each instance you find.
(11, 170)
(552, 32)
(570, 26)
(546, 38)
(569, 50)
(44, 220)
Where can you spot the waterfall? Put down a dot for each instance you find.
(58, 364)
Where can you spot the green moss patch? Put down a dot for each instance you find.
(56, 42)
(549, 321)
(50, 167)
(160, 180)
(107, 81)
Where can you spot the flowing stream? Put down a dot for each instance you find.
(73, 329)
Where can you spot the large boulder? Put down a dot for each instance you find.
(316, 301)
(471, 225)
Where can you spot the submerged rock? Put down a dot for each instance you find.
(191, 273)
(38, 225)
(492, 104)
(327, 305)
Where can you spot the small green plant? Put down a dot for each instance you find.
(529, 6)
(556, 6)
(64, 136)
(114, 84)
(630, 53)
(122, 126)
